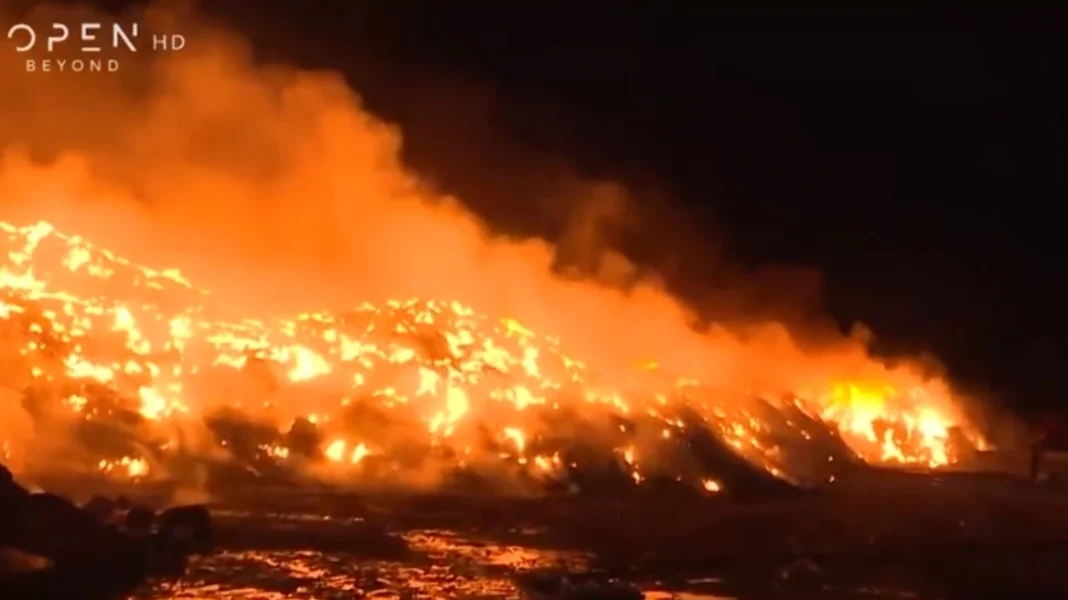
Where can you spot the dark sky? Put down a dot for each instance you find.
(918, 160)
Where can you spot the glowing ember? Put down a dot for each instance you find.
(131, 467)
(90, 335)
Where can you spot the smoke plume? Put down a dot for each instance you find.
(273, 187)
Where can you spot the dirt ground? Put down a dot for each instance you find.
(876, 534)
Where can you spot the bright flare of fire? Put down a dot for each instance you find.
(93, 332)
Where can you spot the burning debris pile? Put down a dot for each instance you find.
(132, 372)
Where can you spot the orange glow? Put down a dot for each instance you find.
(711, 486)
(158, 341)
(368, 325)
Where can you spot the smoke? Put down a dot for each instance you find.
(274, 188)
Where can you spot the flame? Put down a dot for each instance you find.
(92, 323)
(279, 195)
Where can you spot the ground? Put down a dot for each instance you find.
(877, 534)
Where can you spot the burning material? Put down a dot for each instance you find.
(273, 188)
(141, 370)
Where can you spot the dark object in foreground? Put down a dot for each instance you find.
(88, 555)
(1049, 451)
(187, 528)
(554, 585)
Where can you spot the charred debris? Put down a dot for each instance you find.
(52, 548)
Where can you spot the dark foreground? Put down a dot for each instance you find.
(879, 535)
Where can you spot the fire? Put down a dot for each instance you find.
(93, 334)
(131, 467)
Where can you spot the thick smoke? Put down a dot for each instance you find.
(274, 188)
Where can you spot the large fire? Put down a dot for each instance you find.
(89, 336)
(537, 359)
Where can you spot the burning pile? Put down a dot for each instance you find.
(131, 371)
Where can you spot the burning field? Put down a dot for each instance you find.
(335, 320)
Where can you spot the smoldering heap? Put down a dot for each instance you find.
(133, 372)
(274, 189)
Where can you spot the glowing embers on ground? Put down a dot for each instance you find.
(142, 354)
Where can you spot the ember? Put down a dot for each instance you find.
(543, 359)
(139, 364)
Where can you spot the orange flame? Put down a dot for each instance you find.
(151, 335)
(275, 189)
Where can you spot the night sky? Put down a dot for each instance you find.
(916, 160)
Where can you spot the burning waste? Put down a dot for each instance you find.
(140, 368)
(486, 365)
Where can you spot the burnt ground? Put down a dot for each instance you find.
(875, 534)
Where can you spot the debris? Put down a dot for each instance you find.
(188, 528)
(802, 568)
(139, 521)
(557, 585)
(88, 556)
(100, 507)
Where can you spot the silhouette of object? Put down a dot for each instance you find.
(89, 557)
(139, 521)
(1049, 445)
(100, 507)
(187, 528)
(1036, 460)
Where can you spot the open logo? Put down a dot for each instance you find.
(101, 44)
